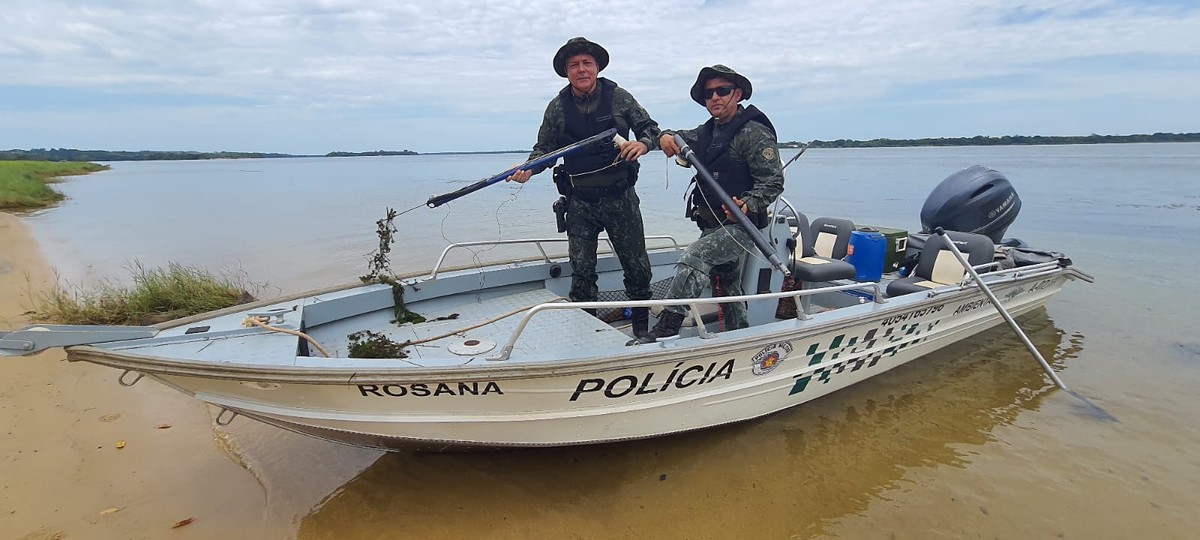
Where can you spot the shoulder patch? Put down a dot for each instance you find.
(768, 153)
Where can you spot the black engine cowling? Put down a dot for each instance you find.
(976, 199)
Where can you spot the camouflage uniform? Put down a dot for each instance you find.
(719, 249)
(620, 215)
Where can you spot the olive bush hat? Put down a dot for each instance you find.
(578, 45)
(724, 72)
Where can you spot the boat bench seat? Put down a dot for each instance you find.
(823, 245)
(937, 265)
(818, 269)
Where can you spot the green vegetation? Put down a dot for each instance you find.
(23, 183)
(368, 344)
(71, 154)
(980, 140)
(157, 295)
(380, 268)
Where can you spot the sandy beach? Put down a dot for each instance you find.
(63, 474)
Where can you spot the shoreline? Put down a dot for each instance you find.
(63, 474)
(879, 142)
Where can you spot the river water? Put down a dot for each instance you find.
(971, 441)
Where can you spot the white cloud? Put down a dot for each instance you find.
(488, 63)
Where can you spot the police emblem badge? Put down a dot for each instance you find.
(770, 357)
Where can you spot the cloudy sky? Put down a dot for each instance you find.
(314, 76)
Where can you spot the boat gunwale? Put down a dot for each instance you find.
(502, 370)
(175, 323)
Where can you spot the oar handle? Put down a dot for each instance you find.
(763, 245)
(438, 200)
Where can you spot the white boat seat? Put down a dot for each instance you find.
(937, 265)
(823, 246)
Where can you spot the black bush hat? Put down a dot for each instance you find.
(724, 72)
(576, 46)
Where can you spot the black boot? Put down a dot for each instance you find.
(641, 321)
(667, 326)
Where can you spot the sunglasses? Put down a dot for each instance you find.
(721, 91)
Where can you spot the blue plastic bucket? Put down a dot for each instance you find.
(866, 253)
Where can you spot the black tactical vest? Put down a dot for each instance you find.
(732, 175)
(580, 126)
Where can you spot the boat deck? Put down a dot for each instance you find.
(546, 336)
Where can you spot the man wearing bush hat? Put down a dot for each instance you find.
(738, 146)
(597, 182)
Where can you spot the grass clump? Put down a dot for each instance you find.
(157, 295)
(23, 184)
(368, 344)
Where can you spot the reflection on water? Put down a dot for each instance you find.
(788, 474)
(969, 442)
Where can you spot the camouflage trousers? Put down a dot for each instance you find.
(621, 216)
(715, 257)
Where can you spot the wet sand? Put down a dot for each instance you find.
(62, 474)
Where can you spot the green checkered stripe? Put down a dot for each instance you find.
(901, 337)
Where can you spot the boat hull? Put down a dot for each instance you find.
(668, 387)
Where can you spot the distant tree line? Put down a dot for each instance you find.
(375, 153)
(980, 140)
(71, 154)
(466, 152)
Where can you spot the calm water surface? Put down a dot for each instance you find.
(972, 441)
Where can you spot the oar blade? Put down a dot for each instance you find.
(1086, 406)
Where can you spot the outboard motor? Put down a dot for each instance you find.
(976, 200)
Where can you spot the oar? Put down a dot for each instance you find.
(1092, 408)
(605, 136)
(707, 178)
